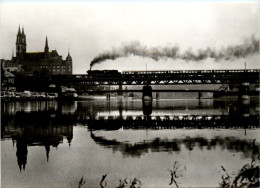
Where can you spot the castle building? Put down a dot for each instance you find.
(36, 63)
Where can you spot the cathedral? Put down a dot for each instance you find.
(44, 63)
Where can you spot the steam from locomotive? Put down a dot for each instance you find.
(249, 47)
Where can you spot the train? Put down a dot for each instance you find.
(125, 74)
(166, 75)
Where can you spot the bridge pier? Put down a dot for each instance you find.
(244, 91)
(157, 95)
(147, 94)
(108, 96)
(199, 95)
(120, 90)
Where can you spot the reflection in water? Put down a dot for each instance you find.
(174, 145)
(36, 129)
(47, 124)
(38, 136)
(21, 153)
(173, 122)
(147, 108)
(121, 107)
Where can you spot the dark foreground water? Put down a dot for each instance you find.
(185, 143)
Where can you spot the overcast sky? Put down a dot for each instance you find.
(88, 29)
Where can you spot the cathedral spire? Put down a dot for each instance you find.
(46, 49)
(20, 43)
(47, 149)
(19, 31)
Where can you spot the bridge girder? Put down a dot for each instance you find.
(200, 77)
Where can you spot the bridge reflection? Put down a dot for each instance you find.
(170, 122)
(48, 124)
(124, 107)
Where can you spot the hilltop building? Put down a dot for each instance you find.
(36, 63)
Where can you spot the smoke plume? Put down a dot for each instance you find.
(249, 47)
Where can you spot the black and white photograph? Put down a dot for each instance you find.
(130, 94)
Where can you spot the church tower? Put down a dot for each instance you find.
(46, 48)
(20, 43)
(68, 58)
(69, 63)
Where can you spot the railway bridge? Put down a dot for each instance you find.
(243, 77)
(162, 77)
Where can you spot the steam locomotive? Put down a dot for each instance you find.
(104, 73)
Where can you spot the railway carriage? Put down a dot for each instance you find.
(176, 76)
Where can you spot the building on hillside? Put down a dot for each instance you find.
(36, 63)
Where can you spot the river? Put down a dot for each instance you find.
(169, 143)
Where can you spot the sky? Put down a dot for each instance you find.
(89, 29)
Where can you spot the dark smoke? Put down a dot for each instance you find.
(248, 47)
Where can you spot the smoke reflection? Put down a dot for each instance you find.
(232, 144)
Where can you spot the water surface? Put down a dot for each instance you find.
(51, 144)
